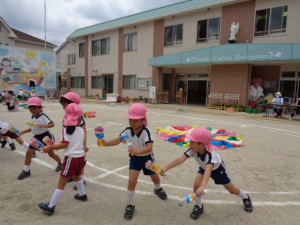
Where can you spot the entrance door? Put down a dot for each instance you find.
(108, 85)
(197, 90)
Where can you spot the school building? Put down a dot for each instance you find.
(198, 47)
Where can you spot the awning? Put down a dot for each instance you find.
(231, 53)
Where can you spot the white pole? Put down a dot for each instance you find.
(45, 77)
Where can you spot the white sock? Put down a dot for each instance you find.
(25, 145)
(80, 187)
(56, 195)
(199, 202)
(243, 194)
(26, 168)
(131, 195)
(8, 140)
(156, 186)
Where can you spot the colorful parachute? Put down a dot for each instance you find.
(221, 139)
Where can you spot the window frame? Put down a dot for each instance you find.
(78, 82)
(269, 21)
(71, 58)
(132, 83)
(174, 36)
(207, 28)
(101, 46)
(130, 42)
(97, 82)
(81, 50)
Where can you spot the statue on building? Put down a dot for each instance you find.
(233, 32)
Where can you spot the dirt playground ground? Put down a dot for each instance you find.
(267, 167)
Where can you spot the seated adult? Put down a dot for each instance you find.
(278, 101)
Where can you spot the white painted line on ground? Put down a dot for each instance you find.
(216, 202)
(111, 172)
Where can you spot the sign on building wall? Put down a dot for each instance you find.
(27, 69)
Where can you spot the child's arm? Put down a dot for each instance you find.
(48, 148)
(180, 159)
(50, 125)
(142, 151)
(25, 131)
(112, 142)
(84, 142)
(205, 179)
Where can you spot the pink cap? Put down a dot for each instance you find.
(72, 113)
(201, 135)
(137, 111)
(34, 101)
(72, 96)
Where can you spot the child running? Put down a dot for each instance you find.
(40, 130)
(65, 100)
(210, 165)
(6, 133)
(72, 142)
(141, 151)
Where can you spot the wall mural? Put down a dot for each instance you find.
(27, 69)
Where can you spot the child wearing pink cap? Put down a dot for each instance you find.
(40, 130)
(74, 161)
(210, 166)
(141, 151)
(65, 100)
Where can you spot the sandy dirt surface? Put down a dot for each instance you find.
(267, 167)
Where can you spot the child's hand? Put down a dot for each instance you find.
(86, 149)
(200, 191)
(132, 151)
(164, 171)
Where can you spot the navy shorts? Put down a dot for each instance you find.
(138, 163)
(41, 136)
(219, 175)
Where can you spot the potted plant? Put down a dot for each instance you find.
(146, 100)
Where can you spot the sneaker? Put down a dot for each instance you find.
(12, 146)
(75, 187)
(33, 155)
(3, 143)
(23, 175)
(59, 167)
(197, 211)
(46, 208)
(161, 193)
(248, 204)
(82, 198)
(129, 212)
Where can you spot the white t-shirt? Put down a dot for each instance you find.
(4, 127)
(209, 158)
(140, 140)
(39, 120)
(75, 147)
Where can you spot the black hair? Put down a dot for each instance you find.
(11, 92)
(63, 100)
(70, 129)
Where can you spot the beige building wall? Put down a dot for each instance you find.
(190, 24)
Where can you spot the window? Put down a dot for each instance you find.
(81, 50)
(71, 59)
(130, 42)
(143, 83)
(97, 81)
(270, 21)
(166, 82)
(208, 30)
(173, 35)
(77, 82)
(129, 82)
(101, 47)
